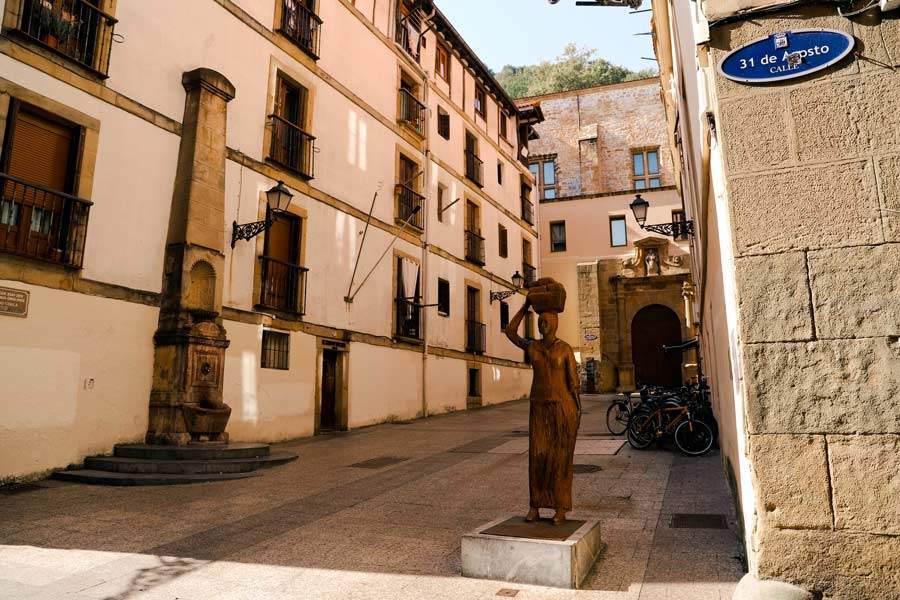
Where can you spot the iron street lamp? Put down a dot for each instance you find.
(277, 200)
(517, 281)
(675, 229)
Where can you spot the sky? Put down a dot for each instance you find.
(524, 32)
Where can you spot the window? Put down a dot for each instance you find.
(504, 125)
(618, 231)
(480, 100)
(528, 271)
(39, 217)
(409, 27)
(474, 165)
(544, 172)
(276, 350)
(475, 330)
(300, 23)
(645, 169)
(504, 315)
(412, 111)
(558, 236)
(474, 243)
(409, 201)
(500, 172)
(78, 29)
(443, 297)
(679, 229)
(503, 241)
(283, 285)
(443, 123)
(291, 146)
(442, 191)
(442, 62)
(474, 387)
(408, 299)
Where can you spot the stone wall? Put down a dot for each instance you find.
(593, 131)
(813, 167)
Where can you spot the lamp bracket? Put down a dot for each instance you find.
(673, 230)
(495, 296)
(248, 231)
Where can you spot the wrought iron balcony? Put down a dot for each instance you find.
(283, 286)
(74, 28)
(412, 112)
(301, 26)
(42, 223)
(527, 211)
(530, 274)
(407, 202)
(408, 319)
(475, 337)
(474, 168)
(292, 147)
(474, 248)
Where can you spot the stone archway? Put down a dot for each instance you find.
(653, 326)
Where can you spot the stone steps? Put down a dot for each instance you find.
(142, 464)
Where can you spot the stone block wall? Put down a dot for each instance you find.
(813, 171)
(593, 131)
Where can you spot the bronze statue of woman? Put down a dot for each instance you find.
(555, 413)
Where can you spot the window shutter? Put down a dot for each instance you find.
(41, 151)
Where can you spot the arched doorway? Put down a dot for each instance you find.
(652, 327)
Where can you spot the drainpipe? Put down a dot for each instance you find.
(424, 281)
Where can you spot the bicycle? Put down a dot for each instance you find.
(618, 415)
(670, 417)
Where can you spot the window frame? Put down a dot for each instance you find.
(502, 241)
(624, 220)
(439, 50)
(443, 304)
(540, 181)
(275, 354)
(503, 124)
(553, 247)
(480, 99)
(679, 216)
(443, 115)
(504, 314)
(645, 178)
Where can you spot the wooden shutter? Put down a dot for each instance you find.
(41, 152)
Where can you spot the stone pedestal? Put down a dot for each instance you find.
(509, 549)
(186, 404)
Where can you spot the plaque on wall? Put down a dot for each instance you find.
(13, 302)
(786, 55)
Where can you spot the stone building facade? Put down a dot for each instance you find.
(795, 188)
(630, 283)
(131, 153)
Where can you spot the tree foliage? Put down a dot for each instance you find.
(576, 68)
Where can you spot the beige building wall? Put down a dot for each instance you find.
(792, 186)
(97, 323)
(590, 136)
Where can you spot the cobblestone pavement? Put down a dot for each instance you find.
(323, 528)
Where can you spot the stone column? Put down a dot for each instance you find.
(186, 401)
(591, 342)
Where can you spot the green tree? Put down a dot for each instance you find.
(576, 68)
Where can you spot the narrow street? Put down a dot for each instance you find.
(375, 513)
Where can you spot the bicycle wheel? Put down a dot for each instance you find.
(694, 437)
(640, 431)
(617, 418)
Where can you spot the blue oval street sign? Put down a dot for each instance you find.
(786, 55)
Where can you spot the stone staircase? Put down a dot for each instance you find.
(141, 464)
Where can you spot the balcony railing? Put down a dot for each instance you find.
(301, 26)
(74, 28)
(408, 319)
(475, 337)
(42, 223)
(474, 248)
(474, 168)
(283, 286)
(530, 274)
(407, 202)
(527, 211)
(412, 112)
(292, 147)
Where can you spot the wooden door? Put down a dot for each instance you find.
(654, 326)
(328, 413)
(282, 256)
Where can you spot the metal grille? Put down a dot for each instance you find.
(75, 28)
(474, 248)
(292, 147)
(302, 26)
(475, 338)
(527, 210)
(698, 521)
(378, 463)
(283, 285)
(474, 168)
(276, 350)
(409, 206)
(412, 112)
